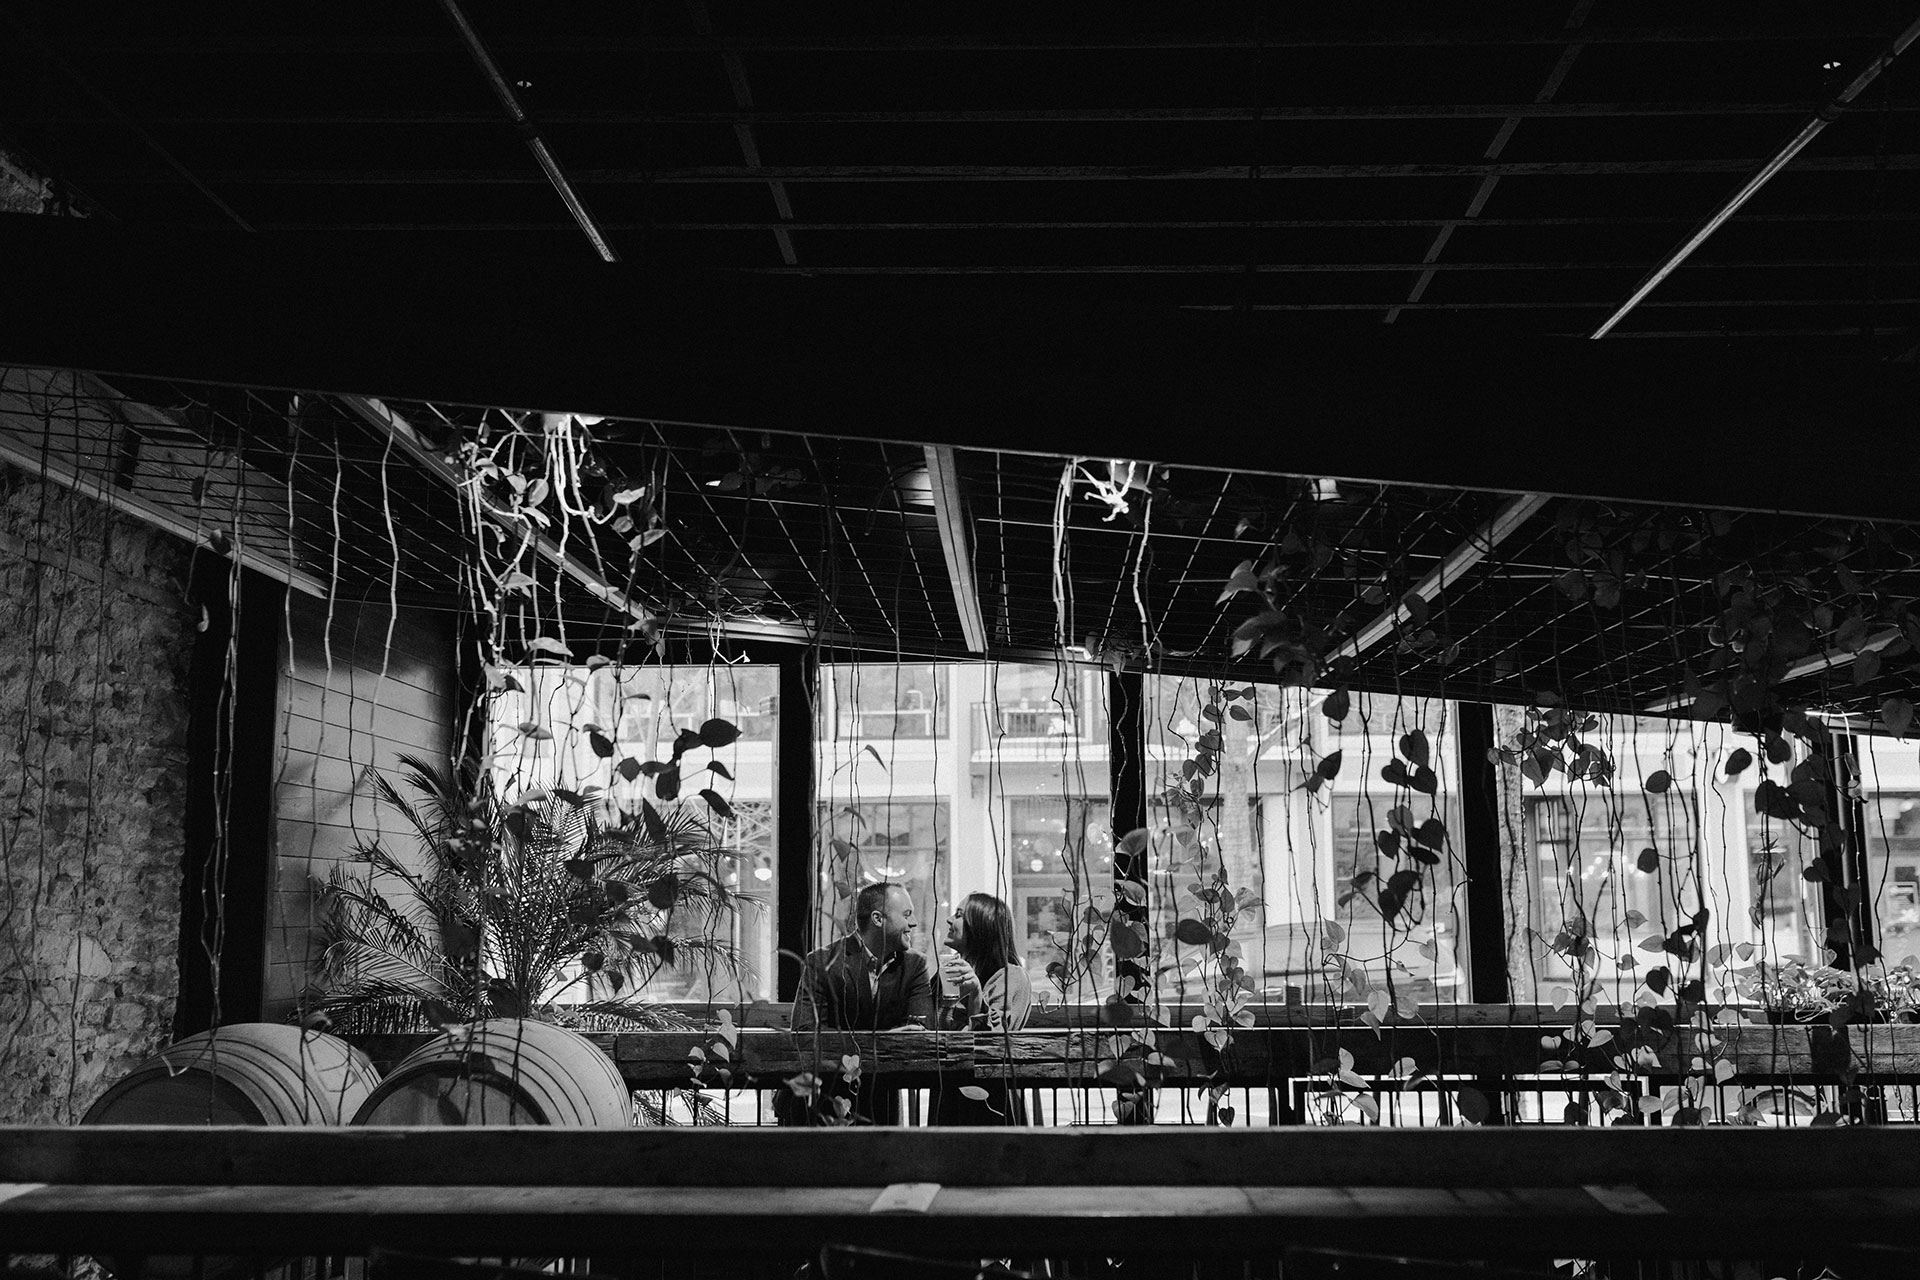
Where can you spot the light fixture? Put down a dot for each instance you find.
(763, 872)
(1038, 864)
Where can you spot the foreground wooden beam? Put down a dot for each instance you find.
(715, 1193)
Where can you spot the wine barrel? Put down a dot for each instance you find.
(505, 1071)
(246, 1073)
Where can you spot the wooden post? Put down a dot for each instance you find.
(229, 816)
(794, 802)
(1127, 746)
(1849, 915)
(1480, 849)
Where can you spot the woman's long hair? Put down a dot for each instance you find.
(986, 935)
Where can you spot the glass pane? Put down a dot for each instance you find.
(1891, 785)
(1232, 785)
(957, 804)
(1609, 870)
(882, 702)
(606, 731)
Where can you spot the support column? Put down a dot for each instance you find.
(1127, 774)
(1843, 849)
(794, 803)
(1480, 849)
(227, 865)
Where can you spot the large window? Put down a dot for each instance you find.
(608, 732)
(1060, 852)
(901, 842)
(882, 702)
(1349, 879)
(1245, 780)
(1668, 841)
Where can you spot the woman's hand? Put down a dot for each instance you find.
(957, 975)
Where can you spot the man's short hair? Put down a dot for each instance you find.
(872, 898)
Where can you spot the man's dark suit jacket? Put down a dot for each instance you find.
(835, 995)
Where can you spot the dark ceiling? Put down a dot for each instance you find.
(1519, 163)
(1478, 173)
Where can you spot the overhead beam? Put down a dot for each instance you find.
(1779, 160)
(1514, 513)
(743, 133)
(763, 173)
(385, 418)
(1107, 370)
(956, 543)
(529, 132)
(751, 115)
(1811, 665)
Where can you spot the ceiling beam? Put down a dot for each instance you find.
(1513, 513)
(751, 115)
(763, 173)
(1822, 33)
(1811, 665)
(956, 543)
(1104, 371)
(743, 128)
(390, 422)
(1779, 160)
(529, 132)
(1837, 216)
(40, 462)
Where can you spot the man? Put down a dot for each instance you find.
(871, 980)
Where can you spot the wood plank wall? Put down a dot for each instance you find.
(349, 699)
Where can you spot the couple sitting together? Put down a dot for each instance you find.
(872, 980)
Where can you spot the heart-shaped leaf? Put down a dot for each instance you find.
(1413, 745)
(1193, 933)
(717, 733)
(1659, 781)
(1337, 704)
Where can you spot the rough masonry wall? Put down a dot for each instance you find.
(94, 647)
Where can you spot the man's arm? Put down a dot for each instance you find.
(806, 1001)
(919, 991)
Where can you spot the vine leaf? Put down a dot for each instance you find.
(1324, 772)
(1193, 933)
(1659, 781)
(1897, 713)
(1413, 746)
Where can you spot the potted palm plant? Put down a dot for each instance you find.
(538, 908)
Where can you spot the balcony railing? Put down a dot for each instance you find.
(1287, 1073)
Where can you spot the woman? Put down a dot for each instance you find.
(984, 988)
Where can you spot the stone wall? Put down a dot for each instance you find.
(94, 647)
